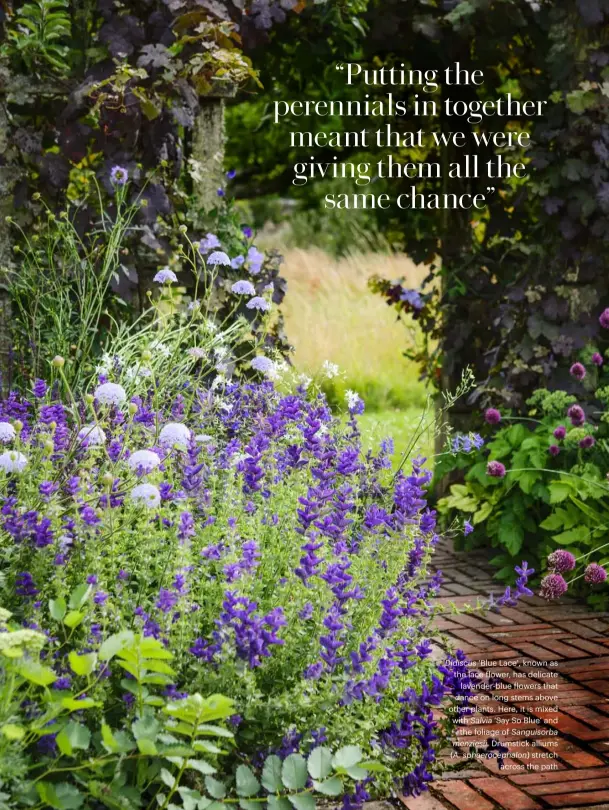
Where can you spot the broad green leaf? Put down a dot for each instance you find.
(271, 774)
(73, 619)
(12, 731)
(215, 788)
(147, 747)
(319, 762)
(374, 765)
(580, 534)
(73, 736)
(153, 648)
(61, 796)
(559, 491)
(303, 801)
(82, 664)
(329, 787)
(485, 511)
(248, 804)
(57, 608)
(79, 596)
(347, 756)
(36, 673)
(116, 741)
(554, 521)
(246, 782)
(78, 704)
(511, 534)
(114, 644)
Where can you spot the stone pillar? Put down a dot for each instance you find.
(208, 144)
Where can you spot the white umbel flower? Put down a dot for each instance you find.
(110, 394)
(146, 460)
(7, 432)
(330, 370)
(92, 436)
(146, 494)
(12, 461)
(174, 433)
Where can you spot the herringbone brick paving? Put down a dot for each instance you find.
(558, 758)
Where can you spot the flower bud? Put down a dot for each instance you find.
(36, 195)
(52, 426)
(133, 409)
(89, 399)
(58, 361)
(146, 355)
(107, 479)
(49, 446)
(18, 425)
(183, 229)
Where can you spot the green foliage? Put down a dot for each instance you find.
(545, 502)
(36, 34)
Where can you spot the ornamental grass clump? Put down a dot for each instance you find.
(216, 576)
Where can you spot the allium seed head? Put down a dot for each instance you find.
(553, 586)
(561, 561)
(595, 574)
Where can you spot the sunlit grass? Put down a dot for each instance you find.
(401, 426)
(332, 315)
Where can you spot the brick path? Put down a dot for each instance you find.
(567, 633)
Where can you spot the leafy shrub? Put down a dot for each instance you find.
(169, 752)
(548, 487)
(172, 535)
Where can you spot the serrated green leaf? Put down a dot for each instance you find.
(294, 772)
(559, 491)
(329, 787)
(302, 801)
(146, 727)
(271, 774)
(246, 782)
(114, 644)
(147, 747)
(348, 756)
(167, 778)
(357, 773)
(73, 736)
(200, 765)
(215, 788)
(190, 798)
(61, 796)
(276, 803)
(319, 762)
